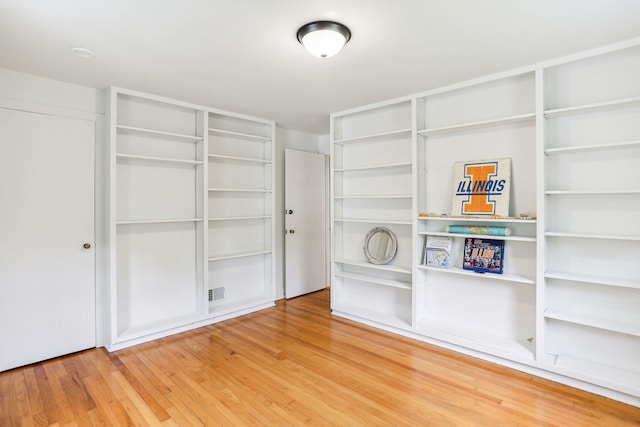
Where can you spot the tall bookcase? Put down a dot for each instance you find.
(565, 307)
(178, 215)
(372, 186)
(592, 203)
(484, 120)
(241, 232)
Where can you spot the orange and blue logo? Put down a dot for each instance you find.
(480, 187)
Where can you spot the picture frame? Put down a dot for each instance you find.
(481, 188)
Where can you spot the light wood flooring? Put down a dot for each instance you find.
(292, 365)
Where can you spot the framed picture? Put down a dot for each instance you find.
(483, 255)
(481, 188)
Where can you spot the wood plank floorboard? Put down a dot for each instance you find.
(292, 365)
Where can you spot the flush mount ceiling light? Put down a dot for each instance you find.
(323, 38)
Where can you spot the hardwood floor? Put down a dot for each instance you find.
(292, 365)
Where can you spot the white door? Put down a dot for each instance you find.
(304, 222)
(47, 283)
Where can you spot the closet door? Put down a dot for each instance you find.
(47, 285)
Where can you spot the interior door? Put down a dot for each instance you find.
(47, 283)
(305, 223)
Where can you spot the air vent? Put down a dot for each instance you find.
(216, 294)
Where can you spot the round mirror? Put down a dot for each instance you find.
(380, 245)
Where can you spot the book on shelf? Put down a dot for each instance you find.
(483, 255)
(437, 252)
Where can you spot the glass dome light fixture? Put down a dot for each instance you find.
(323, 38)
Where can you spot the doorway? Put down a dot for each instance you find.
(305, 222)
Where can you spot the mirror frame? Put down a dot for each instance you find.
(394, 246)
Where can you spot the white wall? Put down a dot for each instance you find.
(324, 144)
(295, 140)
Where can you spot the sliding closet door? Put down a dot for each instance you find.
(47, 284)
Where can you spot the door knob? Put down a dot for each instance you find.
(290, 211)
(87, 246)
(292, 231)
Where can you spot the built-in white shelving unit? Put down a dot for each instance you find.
(372, 186)
(174, 256)
(240, 204)
(566, 305)
(156, 181)
(488, 119)
(592, 203)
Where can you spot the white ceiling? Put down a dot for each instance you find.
(243, 56)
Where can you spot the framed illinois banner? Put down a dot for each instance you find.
(481, 188)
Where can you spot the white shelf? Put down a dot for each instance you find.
(239, 159)
(519, 349)
(489, 276)
(383, 267)
(597, 373)
(597, 280)
(478, 236)
(368, 168)
(155, 327)
(594, 321)
(588, 108)
(477, 219)
(373, 221)
(374, 279)
(374, 137)
(224, 308)
(480, 124)
(240, 218)
(157, 221)
(590, 192)
(397, 196)
(131, 129)
(248, 136)
(593, 147)
(592, 236)
(353, 311)
(158, 159)
(239, 255)
(239, 190)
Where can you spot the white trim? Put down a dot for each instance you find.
(368, 107)
(49, 110)
(586, 54)
(189, 105)
(147, 96)
(124, 342)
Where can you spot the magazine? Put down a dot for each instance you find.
(437, 252)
